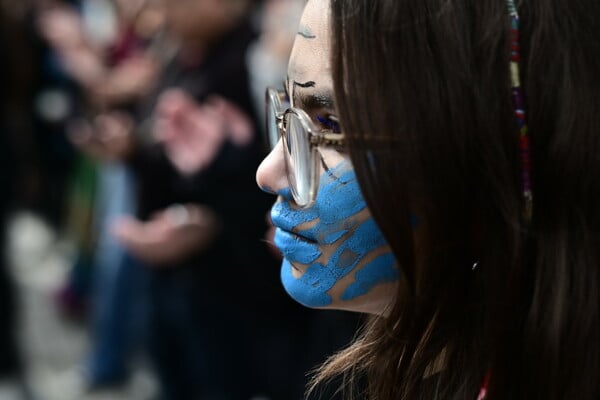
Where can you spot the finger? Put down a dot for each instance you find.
(126, 229)
(162, 130)
(176, 215)
(238, 124)
(205, 121)
(172, 102)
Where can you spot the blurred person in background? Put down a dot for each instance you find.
(215, 311)
(56, 98)
(10, 363)
(119, 291)
(102, 44)
(17, 75)
(193, 142)
(38, 158)
(104, 47)
(209, 281)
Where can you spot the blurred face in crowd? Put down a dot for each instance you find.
(129, 8)
(334, 254)
(202, 20)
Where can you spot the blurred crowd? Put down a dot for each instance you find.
(136, 126)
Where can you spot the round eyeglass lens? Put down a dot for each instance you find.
(298, 159)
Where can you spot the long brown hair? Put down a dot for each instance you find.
(482, 291)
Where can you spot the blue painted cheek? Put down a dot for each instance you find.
(351, 252)
(380, 270)
(337, 204)
(312, 288)
(338, 200)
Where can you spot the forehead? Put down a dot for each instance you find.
(310, 57)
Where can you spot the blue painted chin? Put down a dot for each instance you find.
(308, 289)
(350, 236)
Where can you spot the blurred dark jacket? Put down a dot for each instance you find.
(237, 270)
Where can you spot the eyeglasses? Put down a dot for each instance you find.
(301, 138)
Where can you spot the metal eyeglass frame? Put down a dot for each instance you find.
(316, 138)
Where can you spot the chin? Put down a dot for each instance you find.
(319, 291)
(379, 301)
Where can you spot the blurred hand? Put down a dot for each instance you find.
(193, 133)
(130, 80)
(109, 138)
(62, 28)
(171, 236)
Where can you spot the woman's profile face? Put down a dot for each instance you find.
(335, 256)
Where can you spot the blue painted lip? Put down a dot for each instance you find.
(296, 248)
(286, 219)
(294, 235)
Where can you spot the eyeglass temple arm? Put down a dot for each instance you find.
(327, 139)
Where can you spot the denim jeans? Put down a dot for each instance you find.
(119, 284)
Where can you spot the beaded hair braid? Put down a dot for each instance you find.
(518, 104)
(524, 145)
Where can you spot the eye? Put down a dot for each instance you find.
(329, 123)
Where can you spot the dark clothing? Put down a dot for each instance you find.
(9, 360)
(219, 319)
(9, 363)
(9, 105)
(238, 258)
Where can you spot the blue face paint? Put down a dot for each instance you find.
(336, 223)
(380, 270)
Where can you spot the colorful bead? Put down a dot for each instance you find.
(518, 104)
(524, 141)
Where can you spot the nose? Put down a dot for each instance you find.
(271, 174)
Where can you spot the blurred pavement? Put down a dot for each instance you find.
(54, 347)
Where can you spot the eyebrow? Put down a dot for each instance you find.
(308, 84)
(309, 101)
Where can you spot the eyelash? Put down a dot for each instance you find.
(329, 123)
